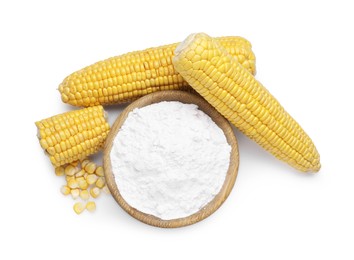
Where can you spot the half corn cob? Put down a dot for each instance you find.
(73, 135)
(130, 76)
(238, 96)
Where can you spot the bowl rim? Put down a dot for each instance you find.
(217, 201)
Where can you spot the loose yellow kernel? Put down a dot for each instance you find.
(100, 182)
(84, 194)
(83, 184)
(91, 206)
(68, 178)
(79, 207)
(91, 179)
(65, 190)
(84, 163)
(99, 171)
(75, 193)
(106, 190)
(90, 167)
(70, 170)
(72, 183)
(81, 173)
(95, 192)
(59, 171)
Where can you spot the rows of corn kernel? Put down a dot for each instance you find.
(84, 180)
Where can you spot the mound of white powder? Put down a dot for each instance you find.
(169, 159)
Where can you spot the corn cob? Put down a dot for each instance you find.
(74, 135)
(127, 77)
(238, 96)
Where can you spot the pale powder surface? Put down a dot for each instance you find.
(169, 159)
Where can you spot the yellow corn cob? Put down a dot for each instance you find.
(130, 76)
(238, 96)
(73, 135)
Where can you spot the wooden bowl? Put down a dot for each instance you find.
(231, 175)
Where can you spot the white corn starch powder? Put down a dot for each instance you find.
(169, 159)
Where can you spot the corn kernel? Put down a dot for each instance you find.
(59, 171)
(84, 163)
(65, 190)
(91, 206)
(79, 207)
(90, 167)
(91, 179)
(84, 194)
(68, 178)
(70, 170)
(81, 173)
(100, 182)
(99, 171)
(72, 183)
(106, 190)
(95, 192)
(83, 184)
(75, 193)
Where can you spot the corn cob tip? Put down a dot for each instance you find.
(185, 43)
(228, 86)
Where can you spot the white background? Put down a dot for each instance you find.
(305, 55)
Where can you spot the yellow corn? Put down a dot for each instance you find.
(59, 171)
(79, 207)
(83, 184)
(65, 190)
(70, 170)
(91, 206)
(101, 181)
(84, 163)
(90, 167)
(73, 135)
(238, 96)
(75, 193)
(91, 178)
(72, 183)
(95, 192)
(84, 194)
(99, 171)
(81, 173)
(130, 76)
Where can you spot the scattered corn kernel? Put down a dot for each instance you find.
(65, 190)
(95, 192)
(68, 178)
(91, 206)
(99, 171)
(106, 190)
(59, 171)
(100, 182)
(79, 207)
(84, 194)
(85, 175)
(70, 170)
(83, 184)
(81, 173)
(90, 167)
(91, 178)
(75, 193)
(84, 163)
(72, 183)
